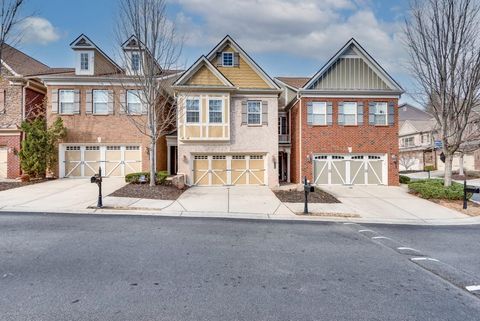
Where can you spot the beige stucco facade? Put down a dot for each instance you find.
(244, 140)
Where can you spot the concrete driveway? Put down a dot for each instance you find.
(231, 199)
(57, 195)
(391, 203)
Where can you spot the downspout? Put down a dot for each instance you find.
(300, 136)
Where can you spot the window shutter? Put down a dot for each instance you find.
(360, 113)
(309, 113)
(244, 113)
(123, 101)
(76, 105)
(264, 112)
(329, 113)
(54, 101)
(89, 101)
(110, 102)
(3, 108)
(391, 113)
(371, 113)
(219, 59)
(341, 117)
(236, 59)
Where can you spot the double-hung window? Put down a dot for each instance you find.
(66, 101)
(134, 103)
(84, 57)
(254, 112)
(215, 111)
(135, 62)
(227, 59)
(319, 113)
(381, 113)
(100, 101)
(193, 110)
(350, 113)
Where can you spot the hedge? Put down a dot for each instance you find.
(434, 189)
(404, 179)
(134, 178)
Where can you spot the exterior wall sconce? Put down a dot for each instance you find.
(185, 159)
(309, 158)
(394, 158)
(349, 150)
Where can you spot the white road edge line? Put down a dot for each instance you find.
(472, 288)
(380, 237)
(349, 223)
(407, 248)
(424, 259)
(361, 231)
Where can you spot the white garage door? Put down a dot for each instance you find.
(350, 170)
(3, 161)
(85, 160)
(229, 170)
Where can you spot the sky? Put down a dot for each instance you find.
(285, 37)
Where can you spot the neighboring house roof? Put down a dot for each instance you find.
(295, 82)
(415, 127)
(409, 112)
(352, 49)
(20, 63)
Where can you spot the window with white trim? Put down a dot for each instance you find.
(134, 103)
(66, 101)
(135, 61)
(319, 113)
(254, 112)
(100, 102)
(193, 110)
(227, 59)
(84, 61)
(408, 141)
(381, 113)
(215, 114)
(350, 113)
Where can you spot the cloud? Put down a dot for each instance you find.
(38, 30)
(308, 28)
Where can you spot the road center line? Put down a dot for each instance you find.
(407, 248)
(361, 231)
(380, 237)
(424, 259)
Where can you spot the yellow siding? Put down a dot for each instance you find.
(204, 77)
(242, 76)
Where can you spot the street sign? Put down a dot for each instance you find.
(438, 144)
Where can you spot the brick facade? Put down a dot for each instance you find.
(334, 138)
(114, 128)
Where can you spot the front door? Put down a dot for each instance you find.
(173, 160)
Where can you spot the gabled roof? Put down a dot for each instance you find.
(409, 112)
(352, 47)
(294, 82)
(19, 63)
(245, 56)
(132, 43)
(420, 126)
(202, 61)
(83, 42)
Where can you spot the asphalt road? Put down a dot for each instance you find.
(86, 267)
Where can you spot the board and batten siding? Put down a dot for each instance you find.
(350, 73)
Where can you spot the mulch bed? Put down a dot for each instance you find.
(473, 209)
(9, 185)
(294, 196)
(158, 192)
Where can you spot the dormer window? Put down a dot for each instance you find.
(84, 57)
(227, 59)
(135, 62)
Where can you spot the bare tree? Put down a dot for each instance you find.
(151, 54)
(407, 161)
(444, 48)
(9, 18)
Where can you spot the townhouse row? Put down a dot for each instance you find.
(236, 125)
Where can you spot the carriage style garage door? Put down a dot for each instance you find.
(3, 162)
(350, 170)
(229, 170)
(84, 160)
